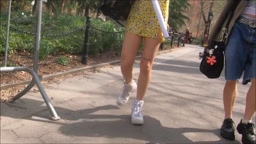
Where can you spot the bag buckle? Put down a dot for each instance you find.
(224, 34)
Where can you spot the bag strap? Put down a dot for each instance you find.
(120, 23)
(225, 33)
(229, 18)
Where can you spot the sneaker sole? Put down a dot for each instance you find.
(245, 141)
(119, 103)
(228, 136)
(137, 122)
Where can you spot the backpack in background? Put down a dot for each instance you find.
(118, 10)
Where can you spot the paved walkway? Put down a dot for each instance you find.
(181, 106)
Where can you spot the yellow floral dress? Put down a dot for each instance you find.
(142, 19)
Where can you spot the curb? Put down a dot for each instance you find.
(87, 68)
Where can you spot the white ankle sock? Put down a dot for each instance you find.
(129, 83)
(246, 121)
(137, 100)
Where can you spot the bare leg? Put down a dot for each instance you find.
(151, 46)
(246, 127)
(130, 47)
(229, 97)
(250, 107)
(149, 52)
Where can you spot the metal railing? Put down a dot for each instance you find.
(32, 71)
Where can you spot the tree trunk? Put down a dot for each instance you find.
(50, 9)
(63, 6)
(98, 12)
(199, 24)
(70, 11)
(34, 7)
(1, 5)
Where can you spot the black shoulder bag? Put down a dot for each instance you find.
(117, 10)
(212, 62)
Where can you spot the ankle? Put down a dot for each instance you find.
(245, 121)
(138, 100)
(129, 83)
(228, 117)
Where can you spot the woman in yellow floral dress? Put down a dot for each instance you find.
(142, 26)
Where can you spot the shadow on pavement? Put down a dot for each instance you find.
(95, 125)
(119, 126)
(179, 66)
(187, 67)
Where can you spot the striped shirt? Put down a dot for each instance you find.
(250, 10)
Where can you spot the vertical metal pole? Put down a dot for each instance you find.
(161, 46)
(171, 40)
(36, 58)
(7, 33)
(37, 35)
(178, 41)
(198, 26)
(207, 25)
(86, 42)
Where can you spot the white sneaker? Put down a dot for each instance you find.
(127, 90)
(137, 116)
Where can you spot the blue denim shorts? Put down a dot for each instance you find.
(240, 53)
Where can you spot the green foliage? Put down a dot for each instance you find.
(46, 48)
(197, 41)
(2, 41)
(107, 37)
(10, 64)
(57, 36)
(62, 60)
(177, 11)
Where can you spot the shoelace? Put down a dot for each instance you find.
(125, 90)
(137, 110)
(250, 127)
(229, 124)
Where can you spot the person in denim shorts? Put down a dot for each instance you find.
(240, 58)
(240, 61)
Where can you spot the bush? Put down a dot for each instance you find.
(62, 34)
(62, 60)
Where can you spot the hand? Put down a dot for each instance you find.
(168, 27)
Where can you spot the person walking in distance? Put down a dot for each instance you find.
(141, 26)
(240, 58)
